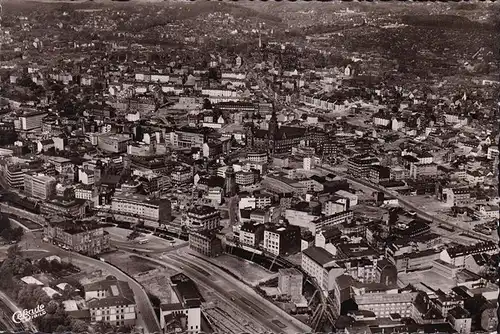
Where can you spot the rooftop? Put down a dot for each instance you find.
(202, 210)
(318, 255)
(118, 293)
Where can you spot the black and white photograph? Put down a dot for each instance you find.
(249, 167)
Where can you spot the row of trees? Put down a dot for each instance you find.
(7, 232)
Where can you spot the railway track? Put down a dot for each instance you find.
(6, 319)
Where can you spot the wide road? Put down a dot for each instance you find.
(145, 249)
(146, 316)
(232, 291)
(404, 203)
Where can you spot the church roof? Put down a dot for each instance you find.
(284, 132)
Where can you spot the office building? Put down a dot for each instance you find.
(205, 242)
(113, 143)
(290, 282)
(281, 240)
(141, 206)
(8, 133)
(202, 218)
(320, 265)
(360, 166)
(39, 186)
(188, 137)
(251, 233)
(31, 120)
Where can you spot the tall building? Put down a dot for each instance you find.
(39, 186)
(205, 242)
(230, 182)
(202, 218)
(31, 120)
(290, 283)
(7, 133)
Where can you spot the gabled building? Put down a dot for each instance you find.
(111, 301)
(457, 255)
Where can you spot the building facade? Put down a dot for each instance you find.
(82, 237)
(290, 282)
(202, 218)
(111, 301)
(205, 242)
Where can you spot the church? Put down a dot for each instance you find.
(277, 139)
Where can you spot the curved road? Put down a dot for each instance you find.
(144, 248)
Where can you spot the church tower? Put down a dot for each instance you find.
(249, 128)
(272, 131)
(230, 182)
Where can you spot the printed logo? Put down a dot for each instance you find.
(27, 315)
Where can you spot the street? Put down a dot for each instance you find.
(404, 203)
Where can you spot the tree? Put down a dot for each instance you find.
(60, 329)
(55, 266)
(52, 307)
(4, 222)
(44, 265)
(79, 326)
(7, 282)
(25, 296)
(13, 251)
(124, 329)
(6, 234)
(102, 327)
(207, 104)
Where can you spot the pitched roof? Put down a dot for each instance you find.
(119, 293)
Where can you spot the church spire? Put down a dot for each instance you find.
(273, 124)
